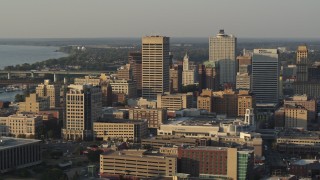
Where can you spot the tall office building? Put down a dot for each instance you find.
(155, 66)
(175, 78)
(302, 64)
(222, 51)
(83, 107)
(49, 90)
(265, 76)
(135, 61)
(188, 72)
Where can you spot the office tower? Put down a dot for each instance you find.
(124, 72)
(174, 101)
(188, 72)
(208, 76)
(106, 90)
(243, 64)
(265, 76)
(302, 64)
(155, 66)
(83, 107)
(135, 61)
(243, 81)
(34, 104)
(249, 117)
(222, 51)
(175, 78)
(50, 90)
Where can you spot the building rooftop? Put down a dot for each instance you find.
(9, 142)
(303, 162)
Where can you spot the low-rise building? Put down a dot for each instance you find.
(22, 124)
(174, 101)
(155, 117)
(16, 153)
(137, 164)
(34, 104)
(127, 87)
(126, 130)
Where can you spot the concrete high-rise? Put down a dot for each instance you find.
(175, 78)
(83, 107)
(302, 64)
(49, 90)
(265, 76)
(155, 66)
(222, 51)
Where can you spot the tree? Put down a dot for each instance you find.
(94, 156)
(53, 174)
(21, 136)
(76, 176)
(19, 98)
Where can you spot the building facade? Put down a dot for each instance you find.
(34, 104)
(126, 87)
(50, 90)
(16, 153)
(222, 51)
(174, 101)
(265, 76)
(121, 129)
(188, 74)
(175, 78)
(155, 66)
(137, 164)
(83, 107)
(154, 117)
(27, 125)
(135, 61)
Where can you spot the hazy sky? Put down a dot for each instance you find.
(174, 18)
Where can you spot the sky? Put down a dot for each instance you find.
(173, 18)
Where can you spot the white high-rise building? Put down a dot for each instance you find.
(222, 51)
(155, 66)
(265, 76)
(249, 117)
(188, 74)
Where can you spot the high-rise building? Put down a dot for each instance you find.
(302, 64)
(175, 78)
(188, 72)
(303, 100)
(83, 107)
(207, 76)
(204, 101)
(222, 51)
(225, 102)
(155, 66)
(106, 90)
(50, 90)
(135, 61)
(265, 76)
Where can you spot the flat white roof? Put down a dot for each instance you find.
(9, 142)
